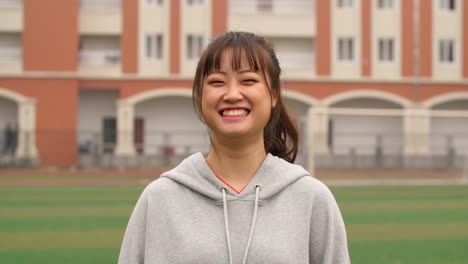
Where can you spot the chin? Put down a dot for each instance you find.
(235, 134)
(232, 133)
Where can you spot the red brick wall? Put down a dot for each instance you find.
(425, 39)
(219, 17)
(407, 66)
(322, 53)
(50, 36)
(175, 37)
(129, 40)
(366, 38)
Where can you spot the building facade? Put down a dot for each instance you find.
(86, 82)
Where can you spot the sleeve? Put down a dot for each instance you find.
(328, 242)
(133, 245)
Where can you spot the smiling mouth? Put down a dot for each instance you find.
(234, 113)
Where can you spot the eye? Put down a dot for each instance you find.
(249, 81)
(215, 82)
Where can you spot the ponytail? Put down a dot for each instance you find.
(280, 134)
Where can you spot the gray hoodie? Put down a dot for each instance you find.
(188, 216)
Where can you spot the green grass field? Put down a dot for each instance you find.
(85, 224)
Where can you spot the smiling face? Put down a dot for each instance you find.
(246, 97)
(236, 103)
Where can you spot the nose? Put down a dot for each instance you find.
(233, 93)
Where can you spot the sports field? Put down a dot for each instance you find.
(81, 219)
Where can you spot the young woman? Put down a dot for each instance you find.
(245, 202)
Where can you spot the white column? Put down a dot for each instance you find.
(310, 140)
(417, 132)
(26, 148)
(317, 129)
(318, 122)
(125, 117)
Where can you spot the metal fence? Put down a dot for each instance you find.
(153, 150)
(377, 160)
(156, 149)
(387, 152)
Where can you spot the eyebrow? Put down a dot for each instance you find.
(241, 71)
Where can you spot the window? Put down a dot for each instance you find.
(265, 5)
(109, 134)
(345, 49)
(446, 51)
(385, 4)
(10, 47)
(195, 2)
(139, 134)
(345, 3)
(386, 49)
(331, 129)
(447, 5)
(155, 2)
(100, 5)
(12, 3)
(194, 46)
(154, 46)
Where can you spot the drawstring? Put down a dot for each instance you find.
(252, 227)
(254, 219)
(226, 225)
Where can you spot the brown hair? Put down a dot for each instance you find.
(280, 133)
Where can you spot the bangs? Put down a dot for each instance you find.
(242, 51)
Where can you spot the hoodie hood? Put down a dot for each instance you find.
(274, 175)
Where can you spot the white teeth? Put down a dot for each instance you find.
(239, 112)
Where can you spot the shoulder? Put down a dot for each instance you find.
(160, 188)
(312, 184)
(314, 189)
(160, 184)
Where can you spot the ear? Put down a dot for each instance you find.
(274, 100)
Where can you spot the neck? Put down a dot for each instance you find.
(236, 161)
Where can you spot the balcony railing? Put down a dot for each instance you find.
(11, 3)
(10, 55)
(271, 6)
(100, 4)
(296, 60)
(95, 57)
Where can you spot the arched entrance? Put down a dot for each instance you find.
(449, 128)
(365, 129)
(18, 126)
(165, 128)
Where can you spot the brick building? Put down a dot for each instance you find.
(83, 82)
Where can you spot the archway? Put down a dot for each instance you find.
(165, 127)
(449, 127)
(18, 123)
(366, 128)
